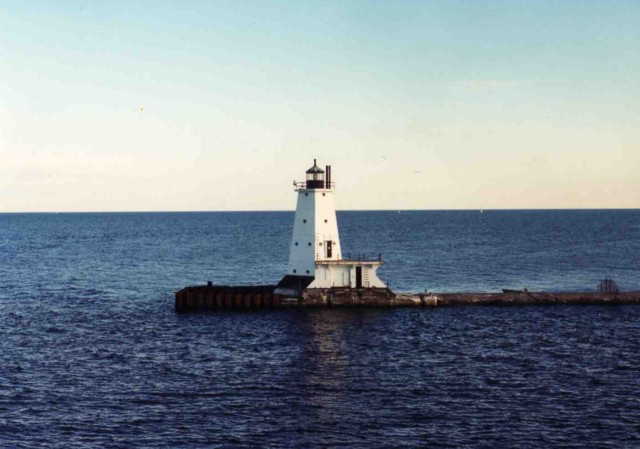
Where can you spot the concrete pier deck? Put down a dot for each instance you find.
(210, 297)
(528, 298)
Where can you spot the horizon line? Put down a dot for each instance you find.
(337, 210)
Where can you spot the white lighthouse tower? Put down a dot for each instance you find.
(315, 257)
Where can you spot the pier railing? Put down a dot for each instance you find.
(361, 257)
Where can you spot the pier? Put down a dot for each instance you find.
(259, 297)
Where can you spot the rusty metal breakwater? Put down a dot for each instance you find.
(210, 297)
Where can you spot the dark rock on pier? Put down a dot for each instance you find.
(363, 297)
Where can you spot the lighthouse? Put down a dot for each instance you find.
(315, 256)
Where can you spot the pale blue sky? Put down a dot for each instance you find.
(126, 106)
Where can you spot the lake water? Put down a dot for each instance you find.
(92, 353)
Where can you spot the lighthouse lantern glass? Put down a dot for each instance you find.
(315, 176)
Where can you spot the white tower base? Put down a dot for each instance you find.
(347, 273)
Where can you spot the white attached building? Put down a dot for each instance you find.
(315, 257)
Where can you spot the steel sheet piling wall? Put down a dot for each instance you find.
(216, 297)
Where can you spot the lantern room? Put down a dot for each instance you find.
(315, 177)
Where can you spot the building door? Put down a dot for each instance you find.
(358, 277)
(329, 244)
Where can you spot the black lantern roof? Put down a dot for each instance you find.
(315, 168)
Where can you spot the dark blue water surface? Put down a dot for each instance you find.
(92, 353)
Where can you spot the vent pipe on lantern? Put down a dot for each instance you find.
(327, 177)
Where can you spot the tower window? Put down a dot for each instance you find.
(320, 244)
(296, 243)
(294, 271)
(307, 271)
(324, 194)
(309, 243)
(326, 221)
(304, 221)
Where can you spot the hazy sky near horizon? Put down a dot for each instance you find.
(158, 105)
